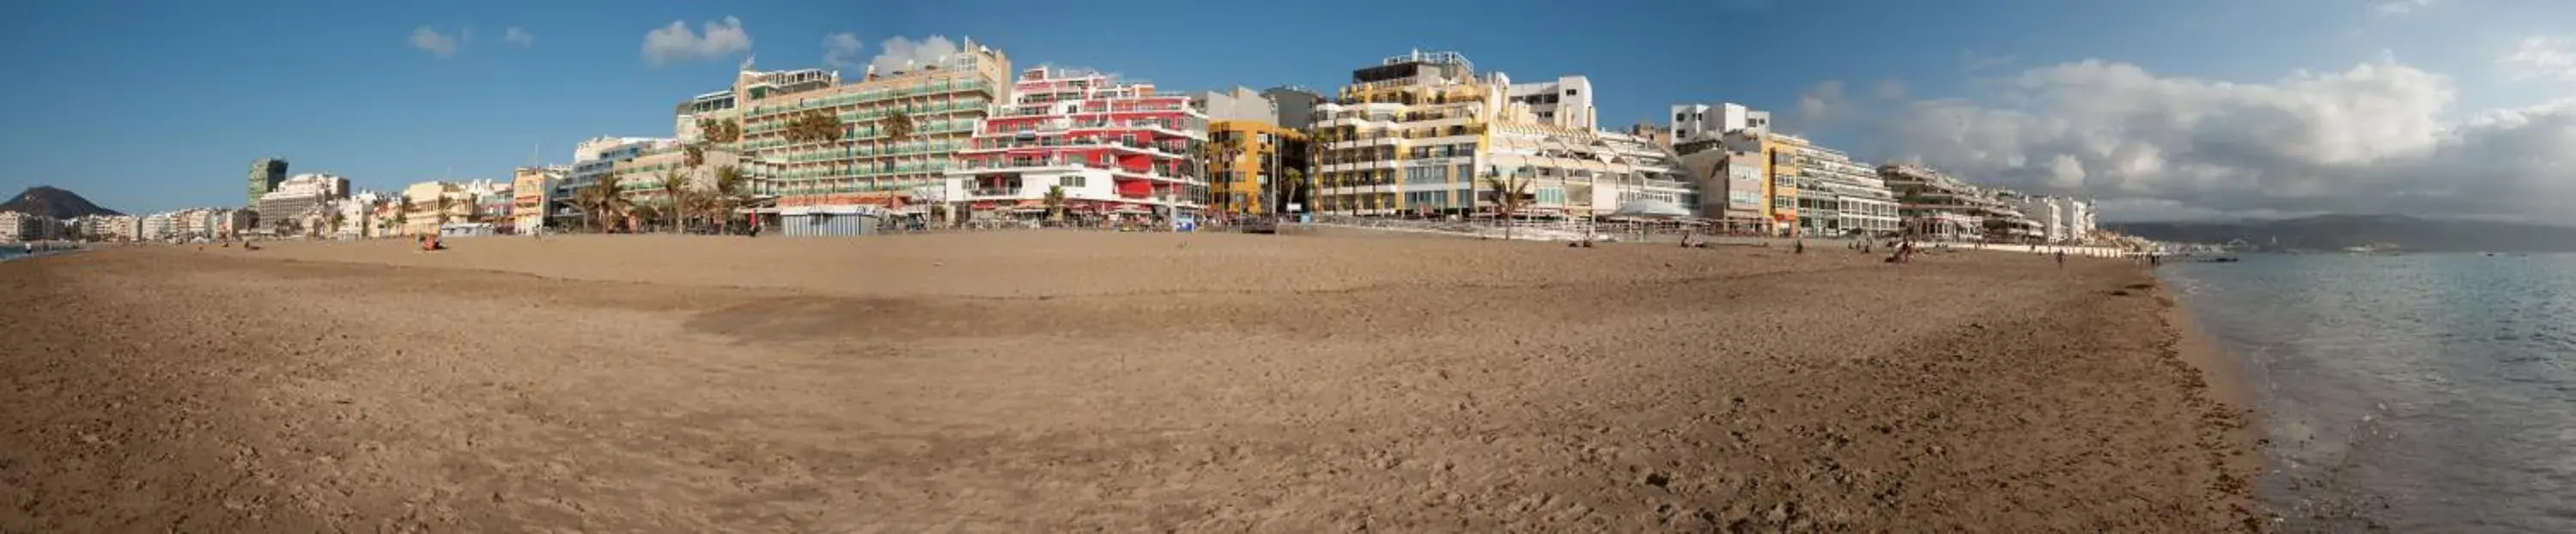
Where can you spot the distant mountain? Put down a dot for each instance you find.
(2337, 232)
(55, 203)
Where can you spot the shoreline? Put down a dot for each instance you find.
(2226, 387)
(1049, 381)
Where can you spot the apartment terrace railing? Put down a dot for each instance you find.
(988, 143)
(1046, 111)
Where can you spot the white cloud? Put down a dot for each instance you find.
(2371, 139)
(841, 50)
(518, 36)
(1821, 106)
(2546, 56)
(1970, 61)
(675, 43)
(437, 44)
(2399, 7)
(898, 53)
(1889, 89)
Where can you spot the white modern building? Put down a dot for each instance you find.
(292, 205)
(1838, 196)
(2080, 224)
(1564, 102)
(1707, 122)
(155, 227)
(104, 227)
(357, 215)
(16, 227)
(2047, 215)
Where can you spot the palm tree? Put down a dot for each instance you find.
(402, 213)
(1510, 191)
(603, 203)
(724, 194)
(1055, 203)
(816, 126)
(719, 132)
(894, 128)
(675, 191)
(1316, 148)
(438, 213)
(1297, 188)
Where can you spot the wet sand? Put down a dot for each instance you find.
(1045, 381)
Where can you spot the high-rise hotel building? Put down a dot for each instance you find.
(265, 174)
(1420, 134)
(867, 170)
(1109, 145)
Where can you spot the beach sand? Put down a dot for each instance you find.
(1050, 381)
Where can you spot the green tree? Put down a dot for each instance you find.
(1055, 203)
(602, 203)
(725, 194)
(895, 128)
(815, 126)
(1511, 192)
(675, 198)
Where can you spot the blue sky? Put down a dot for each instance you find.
(146, 106)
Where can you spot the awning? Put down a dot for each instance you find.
(1651, 209)
(1135, 188)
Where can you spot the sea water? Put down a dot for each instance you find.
(2419, 393)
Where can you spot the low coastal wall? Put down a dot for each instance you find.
(1570, 231)
(2071, 250)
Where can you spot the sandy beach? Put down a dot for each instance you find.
(1055, 381)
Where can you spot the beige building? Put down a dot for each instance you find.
(529, 190)
(431, 204)
(1424, 134)
(15, 227)
(946, 99)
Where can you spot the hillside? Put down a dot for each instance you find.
(2336, 232)
(55, 203)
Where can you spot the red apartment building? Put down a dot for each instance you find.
(1114, 147)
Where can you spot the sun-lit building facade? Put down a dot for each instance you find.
(1424, 134)
(944, 100)
(1106, 145)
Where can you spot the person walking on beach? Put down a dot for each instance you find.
(2061, 258)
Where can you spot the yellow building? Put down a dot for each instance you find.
(528, 188)
(1780, 174)
(427, 205)
(1247, 157)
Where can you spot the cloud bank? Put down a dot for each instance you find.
(898, 53)
(2370, 139)
(518, 36)
(429, 40)
(841, 50)
(675, 43)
